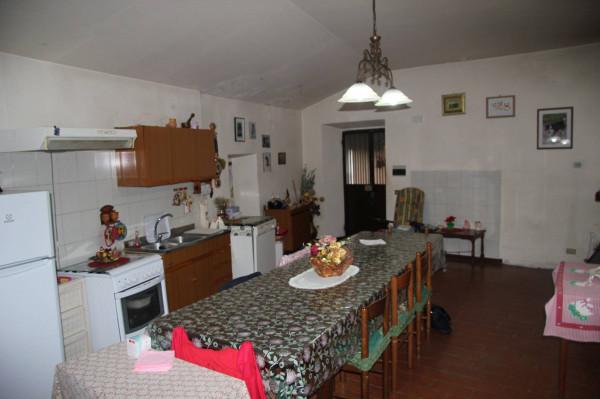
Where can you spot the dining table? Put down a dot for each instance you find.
(302, 337)
(573, 312)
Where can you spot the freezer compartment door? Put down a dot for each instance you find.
(25, 227)
(31, 340)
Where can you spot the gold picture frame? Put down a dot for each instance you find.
(453, 104)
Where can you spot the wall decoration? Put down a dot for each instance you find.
(453, 104)
(266, 161)
(266, 141)
(500, 107)
(555, 128)
(281, 158)
(252, 130)
(239, 126)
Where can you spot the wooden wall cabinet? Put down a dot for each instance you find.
(198, 271)
(298, 223)
(165, 155)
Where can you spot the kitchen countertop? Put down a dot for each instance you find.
(249, 221)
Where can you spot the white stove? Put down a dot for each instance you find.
(123, 299)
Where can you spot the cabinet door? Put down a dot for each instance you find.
(204, 160)
(182, 285)
(155, 156)
(183, 153)
(301, 223)
(216, 272)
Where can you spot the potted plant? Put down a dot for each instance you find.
(450, 222)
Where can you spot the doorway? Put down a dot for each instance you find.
(364, 179)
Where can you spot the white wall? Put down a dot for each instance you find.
(546, 204)
(37, 93)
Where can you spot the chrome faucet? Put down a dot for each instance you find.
(161, 235)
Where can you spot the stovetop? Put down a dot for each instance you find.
(84, 267)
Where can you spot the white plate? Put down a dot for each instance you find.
(310, 280)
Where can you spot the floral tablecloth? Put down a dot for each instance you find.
(302, 337)
(573, 312)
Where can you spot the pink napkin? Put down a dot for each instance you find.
(154, 361)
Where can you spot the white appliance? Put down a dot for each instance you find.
(252, 245)
(31, 342)
(123, 299)
(65, 139)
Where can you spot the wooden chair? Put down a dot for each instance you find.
(374, 344)
(423, 291)
(402, 318)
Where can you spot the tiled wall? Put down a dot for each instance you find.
(82, 182)
(471, 195)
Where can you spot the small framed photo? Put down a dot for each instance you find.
(252, 130)
(281, 158)
(555, 128)
(500, 107)
(266, 141)
(453, 104)
(266, 161)
(239, 126)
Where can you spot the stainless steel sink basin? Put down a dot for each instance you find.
(171, 243)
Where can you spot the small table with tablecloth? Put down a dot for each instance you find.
(573, 312)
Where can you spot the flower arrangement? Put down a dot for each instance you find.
(329, 257)
(450, 221)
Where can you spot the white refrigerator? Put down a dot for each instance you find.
(31, 341)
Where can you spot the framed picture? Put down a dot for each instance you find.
(555, 128)
(239, 125)
(281, 158)
(266, 141)
(500, 107)
(453, 104)
(266, 161)
(252, 129)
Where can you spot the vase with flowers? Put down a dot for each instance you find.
(329, 257)
(450, 221)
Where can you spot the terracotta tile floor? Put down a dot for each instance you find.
(496, 349)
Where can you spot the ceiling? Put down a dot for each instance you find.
(289, 53)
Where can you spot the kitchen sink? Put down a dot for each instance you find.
(171, 243)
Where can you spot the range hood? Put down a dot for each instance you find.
(65, 139)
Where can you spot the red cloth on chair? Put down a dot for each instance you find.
(238, 363)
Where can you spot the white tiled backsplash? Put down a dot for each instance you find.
(84, 181)
(466, 194)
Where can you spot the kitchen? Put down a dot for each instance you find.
(84, 181)
(302, 121)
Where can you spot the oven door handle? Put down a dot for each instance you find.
(139, 288)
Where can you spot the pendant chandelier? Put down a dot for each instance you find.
(374, 68)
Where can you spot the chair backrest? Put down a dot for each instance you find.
(423, 258)
(409, 206)
(238, 281)
(375, 309)
(403, 282)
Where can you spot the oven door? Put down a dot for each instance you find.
(139, 305)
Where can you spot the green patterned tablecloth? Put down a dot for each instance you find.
(302, 337)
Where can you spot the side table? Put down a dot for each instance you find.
(470, 235)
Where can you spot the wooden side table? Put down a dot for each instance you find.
(467, 234)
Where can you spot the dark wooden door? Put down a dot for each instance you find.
(364, 179)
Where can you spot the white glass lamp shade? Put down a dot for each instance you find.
(359, 93)
(393, 97)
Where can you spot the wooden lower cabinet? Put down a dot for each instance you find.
(196, 272)
(298, 223)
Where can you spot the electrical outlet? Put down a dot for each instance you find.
(571, 251)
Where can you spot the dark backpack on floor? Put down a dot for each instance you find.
(440, 320)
